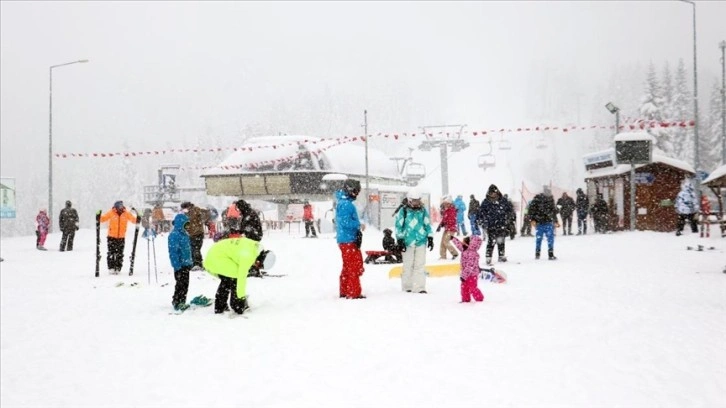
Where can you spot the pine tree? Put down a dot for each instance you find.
(682, 110)
(710, 139)
(651, 109)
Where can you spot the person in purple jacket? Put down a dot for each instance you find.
(469, 267)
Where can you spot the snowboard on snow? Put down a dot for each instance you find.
(434, 270)
(493, 275)
(196, 303)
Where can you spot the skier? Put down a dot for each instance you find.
(494, 214)
(117, 218)
(68, 222)
(687, 208)
(414, 235)
(180, 256)
(309, 220)
(543, 212)
(230, 260)
(473, 208)
(460, 210)
(42, 225)
(567, 206)
(349, 235)
(583, 207)
(197, 218)
(448, 223)
(469, 268)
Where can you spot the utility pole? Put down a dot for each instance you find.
(365, 132)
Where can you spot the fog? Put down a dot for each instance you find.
(176, 74)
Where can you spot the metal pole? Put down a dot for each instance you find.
(50, 151)
(723, 102)
(365, 131)
(617, 121)
(444, 170)
(697, 159)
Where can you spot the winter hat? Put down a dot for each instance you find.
(446, 199)
(387, 231)
(68, 203)
(118, 205)
(414, 194)
(186, 204)
(494, 189)
(579, 191)
(472, 197)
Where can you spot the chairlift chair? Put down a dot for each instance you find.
(414, 172)
(503, 143)
(486, 161)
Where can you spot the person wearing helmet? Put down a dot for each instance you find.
(68, 222)
(414, 235)
(348, 235)
(117, 218)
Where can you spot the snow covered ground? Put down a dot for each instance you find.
(620, 320)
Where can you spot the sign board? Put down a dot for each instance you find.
(644, 178)
(600, 157)
(633, 148)
(7, 197)
(390, 200)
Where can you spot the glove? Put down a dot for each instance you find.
(98, 214)
(438, 229)
(401, 244)
(461, 278)
(430, 243)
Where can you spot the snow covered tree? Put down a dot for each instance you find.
(710, 137)
(682, 110)
(651, 109)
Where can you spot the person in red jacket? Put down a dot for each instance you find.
(309, 220)
(117, 218)
(448, 223)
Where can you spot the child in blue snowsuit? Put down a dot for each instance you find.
(180, 255)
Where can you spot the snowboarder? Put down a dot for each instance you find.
(117, 218)
(349, 235)
(583, 207)
(448, 223)
(309, 220)
(494, 213)
(230, 260)
(68, 223)
(180, 256)
(543, 212)
(469, 277)
(42, 225)
(414, 235)
(567, 206)
(687, 208)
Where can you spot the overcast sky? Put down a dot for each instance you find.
(162, 72)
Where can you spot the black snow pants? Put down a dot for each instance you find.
(115, 256)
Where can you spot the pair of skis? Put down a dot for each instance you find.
(133, 248)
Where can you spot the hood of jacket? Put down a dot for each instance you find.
(179, 221)
(494, 189)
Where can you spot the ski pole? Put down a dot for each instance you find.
(148, 261)
(153, 245)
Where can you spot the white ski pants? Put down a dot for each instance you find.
(413, 277)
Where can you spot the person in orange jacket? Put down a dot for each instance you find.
(117, 218)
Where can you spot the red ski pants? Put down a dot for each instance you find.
(352, 270)
(469, 288)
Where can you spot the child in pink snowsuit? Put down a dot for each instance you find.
(469, 267)
(42, 222)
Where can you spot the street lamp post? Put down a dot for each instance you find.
(616, 111)
(50, 139)
(696, 158)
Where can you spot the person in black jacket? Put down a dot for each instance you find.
(543, 212)
(567, 206)
(599, 213)
(473, 209)
(68, 222)
(390, 245)
(583, 207)
(494, 213)
(251, 227)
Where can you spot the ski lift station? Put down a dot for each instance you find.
(292, 169)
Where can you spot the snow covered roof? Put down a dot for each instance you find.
(713, 178)
(624, 168)
(631, 136)
(305, 153)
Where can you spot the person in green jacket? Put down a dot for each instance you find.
(230, 259)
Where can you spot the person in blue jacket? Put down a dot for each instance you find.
(180, 256)
(460, 211)
(349, 237)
